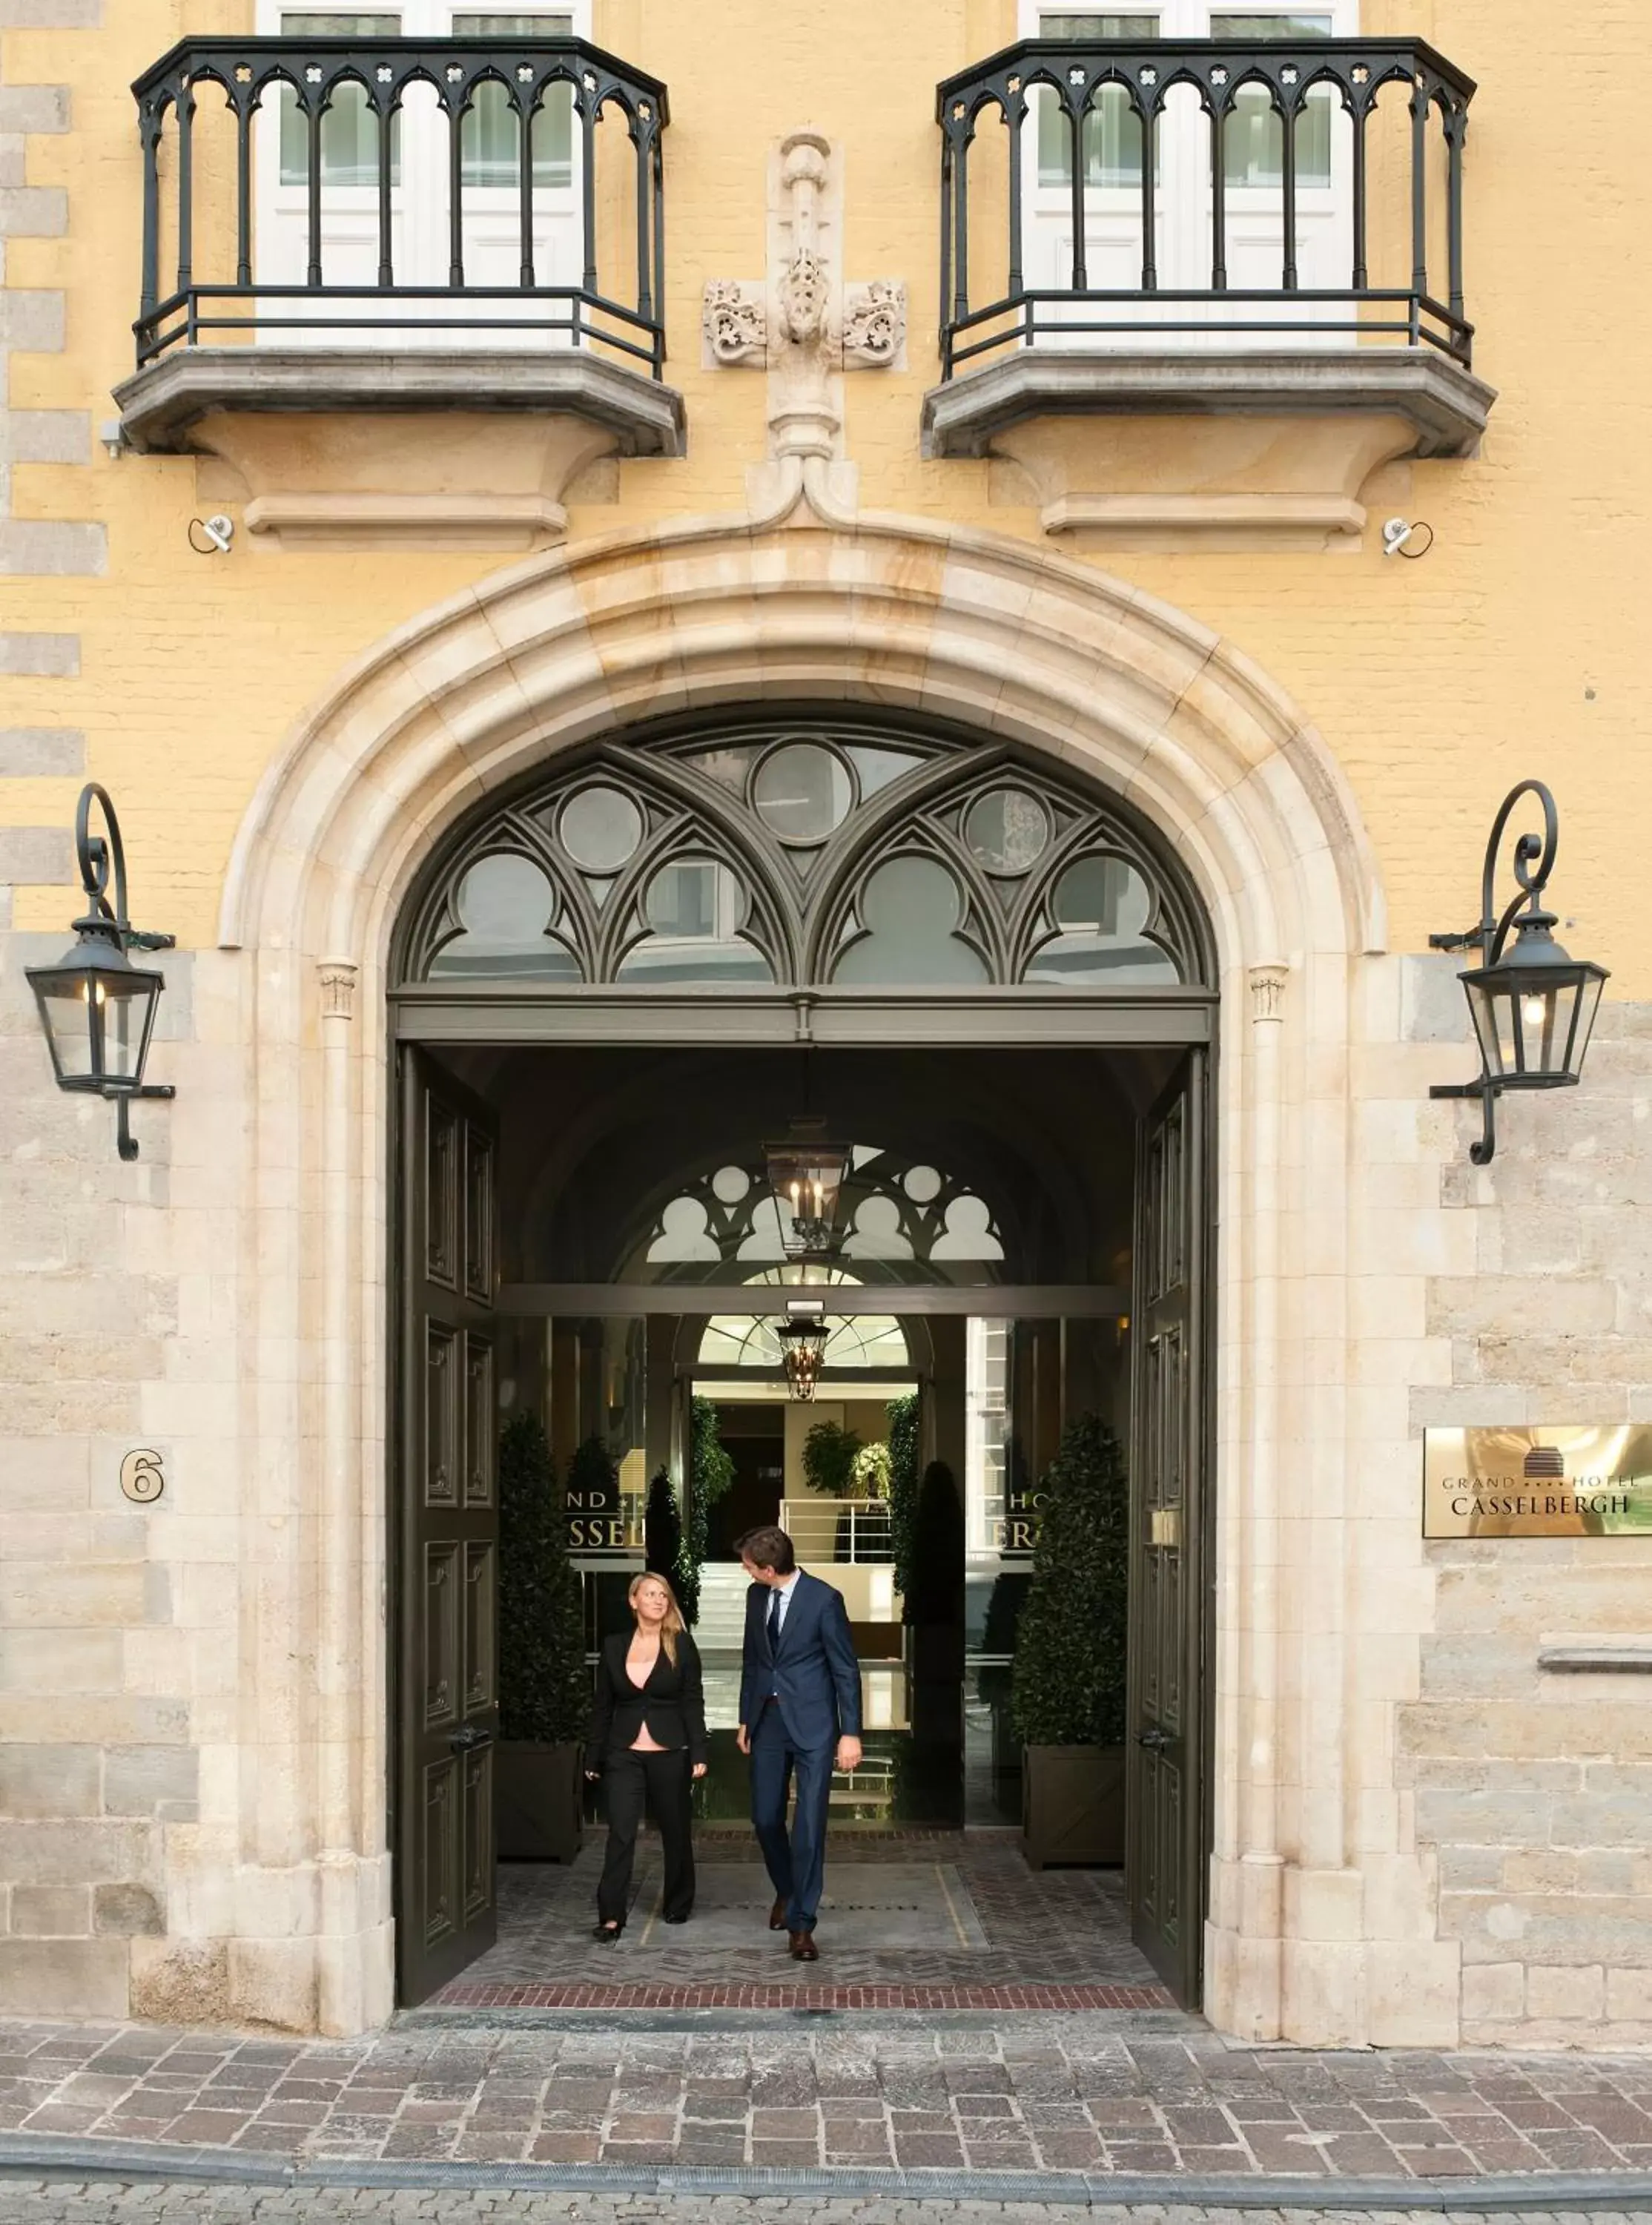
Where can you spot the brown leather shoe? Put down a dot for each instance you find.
(803, 1947)
(777, 1914)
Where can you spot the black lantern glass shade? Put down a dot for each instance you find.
(1533, 1013)
(802, 1341)
(806, 1174)
(98, 1012)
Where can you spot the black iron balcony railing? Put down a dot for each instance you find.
(431, 189)
(1244, 189)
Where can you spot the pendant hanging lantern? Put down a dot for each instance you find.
(802, 1339)
(806, 1174)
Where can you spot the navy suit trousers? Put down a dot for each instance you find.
(796, 1861)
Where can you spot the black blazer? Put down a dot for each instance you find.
(671, 1706)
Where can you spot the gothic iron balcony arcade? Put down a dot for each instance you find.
(1260, 239)
(362, 231)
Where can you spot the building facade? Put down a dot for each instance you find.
(500, 406)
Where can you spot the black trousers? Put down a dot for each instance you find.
(660, 1782)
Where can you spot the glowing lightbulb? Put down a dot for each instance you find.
(1533, 1010)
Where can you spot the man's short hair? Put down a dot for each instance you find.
(768, 1548)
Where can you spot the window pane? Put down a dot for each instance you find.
(488, 138)
(349, 129)
(1112, 130)
(802, 792)
(695, 908)
(1253, 145)
(1102, 906)
(912, 909)
(507, 909)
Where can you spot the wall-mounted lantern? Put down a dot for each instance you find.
(806, 1174)
(802, 1339)
(1534, 1006)
(97, 1008)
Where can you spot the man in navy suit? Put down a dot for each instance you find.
(799, 1715)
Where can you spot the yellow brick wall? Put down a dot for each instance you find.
(1515, 647)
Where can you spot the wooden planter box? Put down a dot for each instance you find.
(1073, 1805)
(536, 1802)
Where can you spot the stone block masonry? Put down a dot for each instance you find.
(1535, 1789)
(33, 321)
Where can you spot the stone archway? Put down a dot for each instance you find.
(988, 632)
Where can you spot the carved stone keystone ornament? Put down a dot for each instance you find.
(805, 327)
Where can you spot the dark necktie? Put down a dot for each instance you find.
(775, 1600)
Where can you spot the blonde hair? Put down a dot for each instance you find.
(672, 1628)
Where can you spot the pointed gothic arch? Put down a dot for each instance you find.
(1048, 656)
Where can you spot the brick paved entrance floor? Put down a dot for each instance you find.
(1097, 2094)
(910, 1920)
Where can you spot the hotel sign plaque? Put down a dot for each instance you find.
(1583, 1482)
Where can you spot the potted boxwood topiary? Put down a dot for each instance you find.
(933, 1609)
(544, 1680)
(1069, 1679)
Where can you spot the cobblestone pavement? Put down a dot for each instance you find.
(1073, 2093)
(935, 1919)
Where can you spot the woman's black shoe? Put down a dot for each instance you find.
(683, 1918)
(607, 1933)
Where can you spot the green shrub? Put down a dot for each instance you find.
(903, 1416)
(830, 1452)
(710, 1477)
(1071, 1641)
(544, 1681)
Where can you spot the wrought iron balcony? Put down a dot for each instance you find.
(397, 193)
(1187, 193)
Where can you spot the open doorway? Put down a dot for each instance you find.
(1009, 1217)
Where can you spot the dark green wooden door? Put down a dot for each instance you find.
(447, 1705)
(1167, 1760)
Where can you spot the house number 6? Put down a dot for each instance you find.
(141, 1478)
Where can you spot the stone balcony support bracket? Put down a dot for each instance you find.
(1205, 448)
(332, 447)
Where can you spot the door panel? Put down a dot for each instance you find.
(1166, 1761)
(447, 1533)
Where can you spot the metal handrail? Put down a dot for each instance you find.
(313, 70)
(1146, 71)
(842, 1530)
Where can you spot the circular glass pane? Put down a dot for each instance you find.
(922, 1184)
(601, 828)
(1008, 830)
(731, 1184)
(506, 900)
(802, 792)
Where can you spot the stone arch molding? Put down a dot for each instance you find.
(993, 633)
(990, 633)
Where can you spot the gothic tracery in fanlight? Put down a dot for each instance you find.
(805, 855)
(896, 1217)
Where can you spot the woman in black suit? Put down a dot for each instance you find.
(648, 1738)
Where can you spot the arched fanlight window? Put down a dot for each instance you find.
(895, 1214)
(810, 852)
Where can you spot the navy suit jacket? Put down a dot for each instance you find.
(814, 1673)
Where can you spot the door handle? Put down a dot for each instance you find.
(468, 1736)
(1155, 1742)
